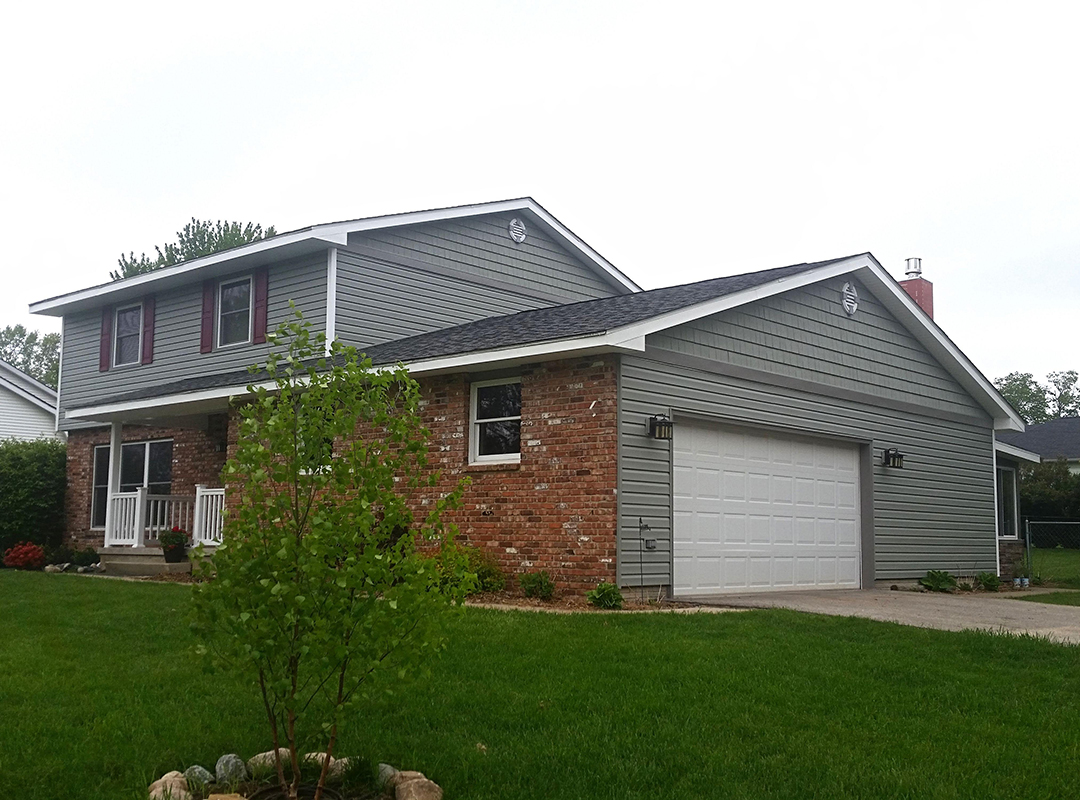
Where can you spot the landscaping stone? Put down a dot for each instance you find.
(417, 789)
(230, 768)
(386, 776)
(338, 768)
(404, 776)
(170, 786)
(198, 775)
(264, 762)
(318, 758)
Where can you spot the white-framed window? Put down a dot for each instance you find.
(146, 464)
(495, 422)
(127, 335)
(234, 312)
(1008, 506)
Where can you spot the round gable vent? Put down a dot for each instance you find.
(850, 299)
(517, 230)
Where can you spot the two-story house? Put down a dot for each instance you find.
(806, 426)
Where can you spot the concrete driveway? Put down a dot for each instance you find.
(948, 612)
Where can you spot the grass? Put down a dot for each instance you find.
(1054, 598)
(98, 696)
(1056, 567)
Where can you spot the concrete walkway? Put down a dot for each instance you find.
(948, 612)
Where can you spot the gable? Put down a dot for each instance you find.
(805, 334)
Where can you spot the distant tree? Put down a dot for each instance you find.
(1050, 490)
(198, 238)
(36, 355)
(1037, 402)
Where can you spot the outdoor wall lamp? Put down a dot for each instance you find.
(661, 427)
(892, 458)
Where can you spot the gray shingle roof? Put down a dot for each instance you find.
(572, 320)
(1053, 439)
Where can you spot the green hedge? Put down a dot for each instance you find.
(33, 476)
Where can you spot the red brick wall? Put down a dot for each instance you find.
(556, 510)
(198, 457)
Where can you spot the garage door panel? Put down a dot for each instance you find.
(754, 511)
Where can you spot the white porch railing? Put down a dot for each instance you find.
(124, 509)
(133, 518)
(209, 503)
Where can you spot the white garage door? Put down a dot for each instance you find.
(756, 511)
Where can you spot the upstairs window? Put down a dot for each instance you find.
(495, 433)
(128, 345)
(234, 312)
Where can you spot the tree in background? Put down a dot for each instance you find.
(1050, 490)
(1037, 402)
(36, 355)
(198, 238)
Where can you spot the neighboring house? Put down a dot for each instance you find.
(1058, 438)
(735, 434)
(27, 406)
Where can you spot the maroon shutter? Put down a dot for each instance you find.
(206, 344)
(148, 329)
(261, 284)
(105, 349)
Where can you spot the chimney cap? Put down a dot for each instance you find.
(913, 267)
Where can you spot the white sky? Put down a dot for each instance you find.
(682, 141)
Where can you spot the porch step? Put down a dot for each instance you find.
(138, 562)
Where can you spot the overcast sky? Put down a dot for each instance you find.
(682, 141)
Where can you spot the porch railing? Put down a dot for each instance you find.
(209, 503)
(133, 518)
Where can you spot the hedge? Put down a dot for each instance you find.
(33, 476)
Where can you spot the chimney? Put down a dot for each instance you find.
(920, 289)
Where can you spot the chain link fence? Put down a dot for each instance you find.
(1053, 552)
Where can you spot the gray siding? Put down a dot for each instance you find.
(178, 322)
(21, 419)
(805, 334)
(936, 513)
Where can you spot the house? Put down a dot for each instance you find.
(805, 426)
(1058, 438)
(27, 406)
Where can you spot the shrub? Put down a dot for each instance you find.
(33, 476)
(988, 581)
(25, 555)
(937, 580)
(65, 555)
(489, 575)
(605, 595)
(537, 584)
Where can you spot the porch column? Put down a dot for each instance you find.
(116, 438)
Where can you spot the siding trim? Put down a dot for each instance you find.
(812, 387)
(331, 297)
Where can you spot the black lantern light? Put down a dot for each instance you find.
(661, 427)
(892, 458)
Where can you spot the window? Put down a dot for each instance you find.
(128, 347)
(146, 464)
(495, 434)
(234, 314)
(1008, 523)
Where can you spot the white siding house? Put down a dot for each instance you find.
(27, 407)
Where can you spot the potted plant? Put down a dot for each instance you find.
(174, 544)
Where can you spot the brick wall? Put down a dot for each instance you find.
(198, 456)
(1011, 553)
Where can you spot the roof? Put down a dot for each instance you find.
(613, 324)
(316, 238)
(28, 388)
(1058, 438)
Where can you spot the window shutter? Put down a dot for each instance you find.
(105, 349)
(148, 330)
(261, 281)
(206, 344)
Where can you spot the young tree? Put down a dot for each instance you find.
(36, 355)
(1026, 395)
(320, 593)
(198, 238)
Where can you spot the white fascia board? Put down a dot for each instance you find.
(109, 412)
(335, 234)
(1017, 452)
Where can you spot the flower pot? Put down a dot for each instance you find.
(1016, 583)
(177, 554)
(1025, 583)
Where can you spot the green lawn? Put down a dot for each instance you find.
(98, 696)
(1056, 567)
(1055, 598)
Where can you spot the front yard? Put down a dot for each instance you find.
(98, 696)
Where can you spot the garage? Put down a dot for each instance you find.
(758, 511)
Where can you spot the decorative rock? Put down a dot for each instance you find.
(264, 762)
(405, 776)
(318, 758)
(417, 789)
(230, 796)
(170, 786)
(386, 777)
(55, 567)
(230, 769)
(198, 775)
(339, 766)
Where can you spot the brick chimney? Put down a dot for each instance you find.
(920, 289)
